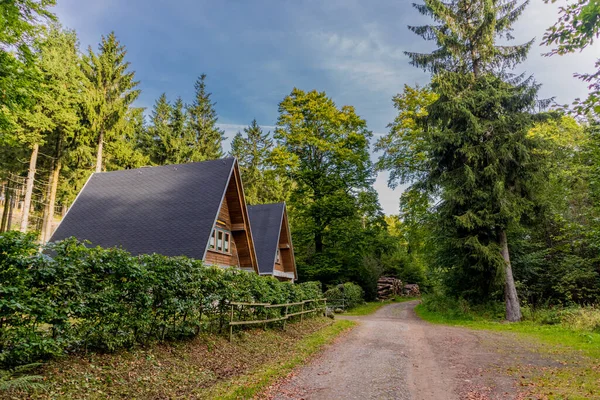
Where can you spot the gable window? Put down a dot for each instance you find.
(211, 243)
(220, 241)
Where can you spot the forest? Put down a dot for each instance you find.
(502, 199)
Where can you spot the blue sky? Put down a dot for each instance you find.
(255, 51)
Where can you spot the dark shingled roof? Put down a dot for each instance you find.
(168, 210)
(265, 222)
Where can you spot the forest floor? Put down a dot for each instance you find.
(204, 367)
(393, 354)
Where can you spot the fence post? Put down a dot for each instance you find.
(231, 326)
(285, 320)
(302, 315)
(325, 308)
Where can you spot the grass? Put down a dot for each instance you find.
(372, 306)
(205, 367)
(249, 385)
(557, 336)
(573, 368)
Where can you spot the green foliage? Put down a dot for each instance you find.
(19, 378)
(253, 150)
(335, 214)
(19, 22)
(554, 249)
(105, 299)
(466, 32)
(110, 91)
(168, 138)
(577, 27)
(207, 137)
(347, 294)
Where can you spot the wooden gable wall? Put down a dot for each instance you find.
(224, 222)
(233, 216)
(286, 250)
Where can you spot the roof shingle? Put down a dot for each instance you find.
(168, 210)
(265, 222)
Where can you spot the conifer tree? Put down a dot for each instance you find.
(466, 34)
(111, 89)
(253, 150)
(161, 135)
(60, 65)
(125, 151)
(206, 137)
(469, 147)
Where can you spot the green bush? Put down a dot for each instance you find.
(584, 319)
(348, 294)
(71, 298)
(461, 309)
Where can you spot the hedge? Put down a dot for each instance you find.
(71, 298)
(349, 294)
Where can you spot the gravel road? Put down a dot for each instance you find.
(392, 354)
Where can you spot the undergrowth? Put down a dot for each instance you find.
(207, 366)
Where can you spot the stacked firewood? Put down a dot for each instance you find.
(411, 290)
(388, 287)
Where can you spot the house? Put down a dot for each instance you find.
(196, 210)
(273, 241)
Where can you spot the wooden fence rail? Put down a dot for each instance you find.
(283, 318)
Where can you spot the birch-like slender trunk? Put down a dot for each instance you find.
(7, 196)
(99, 154)
(513, 309)
(29, 187)
(53, 186)
(51, 193)
(11, 209)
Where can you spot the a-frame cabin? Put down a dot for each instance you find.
(196, 210)
(273, 241)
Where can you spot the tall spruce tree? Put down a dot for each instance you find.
(161, 139)
(253, 150)
(206, 137)
(111, 89)
(466, 33)
(473, 149)
(63, 82)
(125, 151)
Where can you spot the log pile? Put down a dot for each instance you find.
(411, 290)
(388, 287)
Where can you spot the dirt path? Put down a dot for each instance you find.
(393, 354)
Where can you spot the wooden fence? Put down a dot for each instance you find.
(283, 317)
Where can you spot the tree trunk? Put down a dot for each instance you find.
(99, 154)
(513, 309)
(11, 209)
(29, 187)
(46, 209)
(53, 185)
(51, 193)
(7, 197)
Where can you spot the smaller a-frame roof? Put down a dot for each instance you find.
(266, 221)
